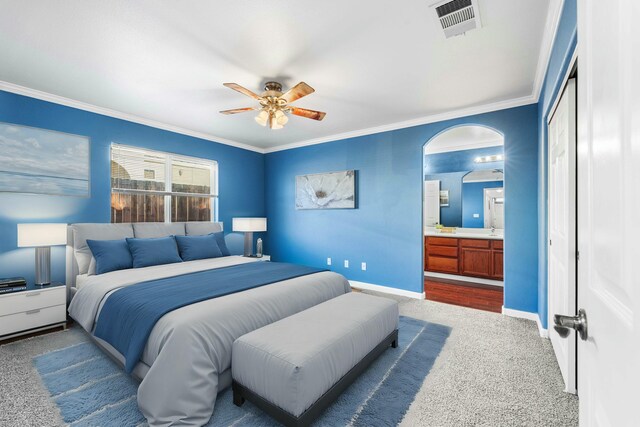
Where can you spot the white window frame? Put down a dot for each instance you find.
(170, 158)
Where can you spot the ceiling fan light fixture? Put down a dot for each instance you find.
(274, 123)
(281, 117)
(275, 105)
(262, 118)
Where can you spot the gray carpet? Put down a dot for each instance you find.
(493, 371)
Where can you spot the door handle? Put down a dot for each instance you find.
(564, 324)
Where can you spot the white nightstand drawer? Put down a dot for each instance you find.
(30, 300)
(32, 319)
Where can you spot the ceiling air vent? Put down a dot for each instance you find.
(457, 16)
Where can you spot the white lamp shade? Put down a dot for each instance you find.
(249, 224)
(30, 235)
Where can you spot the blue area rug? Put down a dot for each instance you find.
(91, 390)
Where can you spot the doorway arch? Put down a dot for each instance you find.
(446, 158)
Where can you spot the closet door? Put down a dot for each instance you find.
(431, 202)
(562, 228)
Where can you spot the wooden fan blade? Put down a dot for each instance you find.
(242, 90)
(309, 114)
(297, 92)
(237, 110)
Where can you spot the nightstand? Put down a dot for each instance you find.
(35, 309)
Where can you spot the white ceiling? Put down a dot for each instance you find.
(464, 138)
(375, 65)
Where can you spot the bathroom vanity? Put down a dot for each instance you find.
(471, 253)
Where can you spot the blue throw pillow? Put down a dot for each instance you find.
(221, 243)
(148, 252)
(198, 247)
(110, 255)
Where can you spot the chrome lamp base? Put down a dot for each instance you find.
(43, 265)
(248, 243)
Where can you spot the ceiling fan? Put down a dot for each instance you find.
(274, 105)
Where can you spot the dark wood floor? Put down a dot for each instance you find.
(474, 295)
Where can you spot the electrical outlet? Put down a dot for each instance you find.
(476, 215)
(328, 261)
(346, 263)
(364, 266)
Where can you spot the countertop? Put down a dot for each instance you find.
(462, 233)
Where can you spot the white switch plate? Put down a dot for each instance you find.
(476, 215)
(328, 261)
(346, 263)
(364, 266)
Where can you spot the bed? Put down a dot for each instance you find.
(187, 358)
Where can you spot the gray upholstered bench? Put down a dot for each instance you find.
(295, 368)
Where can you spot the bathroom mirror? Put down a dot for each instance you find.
(483, 199)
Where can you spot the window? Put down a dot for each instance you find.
(152, 186)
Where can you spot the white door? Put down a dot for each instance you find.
(562, 228)
(609, 204)
(494, 208)
(431, 202)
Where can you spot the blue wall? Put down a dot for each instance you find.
(241, 174)
(473, 202)
(563, 49)
(386, 229)
(451, 216)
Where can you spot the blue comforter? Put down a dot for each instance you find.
(130, 313)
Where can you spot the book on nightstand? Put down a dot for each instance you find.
(12, 284)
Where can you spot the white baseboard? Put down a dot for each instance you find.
(544, 333)
(464, 278)
(385, 289)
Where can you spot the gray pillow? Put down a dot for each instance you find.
(202, 228)
(151, 230)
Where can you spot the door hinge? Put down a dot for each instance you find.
(577, 255)
(549, 242)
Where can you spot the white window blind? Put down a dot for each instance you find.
(153, 186)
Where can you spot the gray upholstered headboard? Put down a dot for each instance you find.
(79, 254)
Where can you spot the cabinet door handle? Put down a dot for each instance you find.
(33, 294)
(37, 310)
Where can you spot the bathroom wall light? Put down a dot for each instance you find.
(488, 159)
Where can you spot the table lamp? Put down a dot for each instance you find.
(248, 226)
(42, 237)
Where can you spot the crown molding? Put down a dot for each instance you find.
(57, 99)
(455, 114)
(548, 38)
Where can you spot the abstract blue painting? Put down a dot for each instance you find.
(41, 161)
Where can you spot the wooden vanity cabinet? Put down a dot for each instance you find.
(497, 251)
(441, 254)
(467, 257)
(475, 257)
